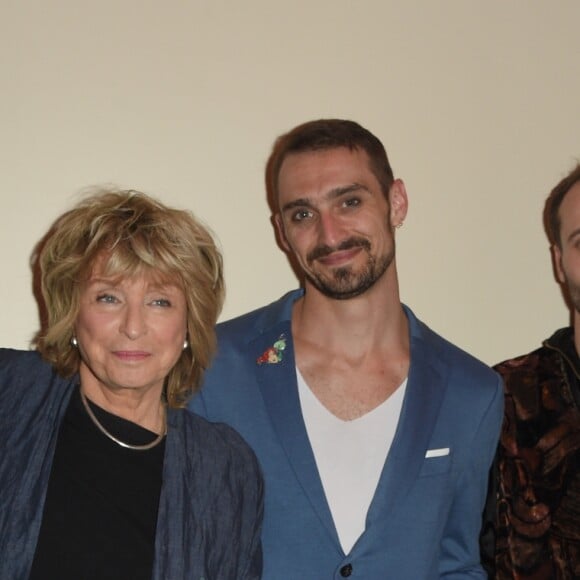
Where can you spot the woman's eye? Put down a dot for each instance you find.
(106, 298)
(161, 302)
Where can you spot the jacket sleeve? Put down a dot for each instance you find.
(254, 561)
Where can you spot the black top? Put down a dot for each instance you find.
(102, 501)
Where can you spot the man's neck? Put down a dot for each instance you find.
(353, 354)
(373, 320)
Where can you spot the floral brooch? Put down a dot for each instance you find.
(273, 354)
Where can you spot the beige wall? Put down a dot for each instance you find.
(476, 102)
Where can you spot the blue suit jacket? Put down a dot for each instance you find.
(425, 516)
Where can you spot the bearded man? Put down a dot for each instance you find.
(532, 527)
(375, 435)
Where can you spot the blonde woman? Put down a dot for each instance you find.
(103, 474)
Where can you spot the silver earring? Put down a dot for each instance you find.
(399, 225)
(185, 344)
(74, 341)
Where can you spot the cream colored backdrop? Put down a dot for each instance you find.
(477, 104)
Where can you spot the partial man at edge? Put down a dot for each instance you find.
(532, 521)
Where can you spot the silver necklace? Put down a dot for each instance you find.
(100, 427)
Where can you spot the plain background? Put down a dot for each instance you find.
(476, 102)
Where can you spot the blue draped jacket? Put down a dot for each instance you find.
(210, 510)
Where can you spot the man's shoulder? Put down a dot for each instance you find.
(538, 360)
(241, 323)
(531, 371)
(448, 352)
(541, 368)
(527, 361)
(259, 319)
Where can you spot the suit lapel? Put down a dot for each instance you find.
(425, 390)
(277, 382)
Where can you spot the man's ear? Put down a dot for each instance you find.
(557, 257)
(281, 233)
(398, 203)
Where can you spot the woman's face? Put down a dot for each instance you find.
(130, 333)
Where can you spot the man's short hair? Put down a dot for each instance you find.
(324, 134)
(552, 220)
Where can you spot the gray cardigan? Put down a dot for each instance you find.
(210, 510)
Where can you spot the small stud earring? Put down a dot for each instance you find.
(74, 341)
(185, 344)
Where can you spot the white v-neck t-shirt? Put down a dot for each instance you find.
(350, 456)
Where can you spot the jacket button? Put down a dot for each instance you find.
(346, 570)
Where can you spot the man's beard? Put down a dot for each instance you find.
(345, 283)
(574, 294)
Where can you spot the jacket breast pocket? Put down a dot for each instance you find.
(431, 491)
(437, 465)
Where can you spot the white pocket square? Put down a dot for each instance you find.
(437, 452)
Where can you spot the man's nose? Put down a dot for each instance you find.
(330, 229)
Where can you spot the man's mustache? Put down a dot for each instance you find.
(324, 250)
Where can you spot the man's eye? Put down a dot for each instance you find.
(300, 215)
(352, 202)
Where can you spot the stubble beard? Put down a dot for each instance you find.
(346, 283)
(574, 293)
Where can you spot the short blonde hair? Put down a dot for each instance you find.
(137, 234)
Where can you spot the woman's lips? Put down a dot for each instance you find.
(131, 355)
